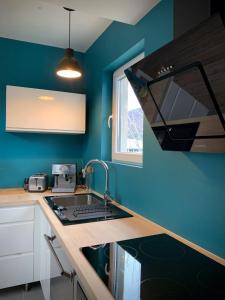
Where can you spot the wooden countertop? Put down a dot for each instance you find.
(74, 237)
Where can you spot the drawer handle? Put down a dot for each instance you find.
(49, 240)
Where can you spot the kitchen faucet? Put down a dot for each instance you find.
(107, 197)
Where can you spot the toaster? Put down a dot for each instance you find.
(38, 183)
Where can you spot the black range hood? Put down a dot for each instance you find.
(181, 88)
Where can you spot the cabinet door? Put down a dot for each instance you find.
(55, 285)
(44, 254)
(61, 273)
(36, 110)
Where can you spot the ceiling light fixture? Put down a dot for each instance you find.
(68, 66)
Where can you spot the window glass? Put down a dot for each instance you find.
(130, 119)
(127, 135)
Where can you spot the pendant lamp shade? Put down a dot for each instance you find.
(68, 67)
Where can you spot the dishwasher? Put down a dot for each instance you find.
(60, 280)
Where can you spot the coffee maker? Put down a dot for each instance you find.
(64, 178)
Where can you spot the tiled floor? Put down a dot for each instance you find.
(19, 293)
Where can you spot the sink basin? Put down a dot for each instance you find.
(83, 208)
(77, 200)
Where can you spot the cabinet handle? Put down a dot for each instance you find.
(49, 240)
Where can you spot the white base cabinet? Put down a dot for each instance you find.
(17, 246)
(28, 253)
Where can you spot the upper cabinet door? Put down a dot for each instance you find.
(36, 110)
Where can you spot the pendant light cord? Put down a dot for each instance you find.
(69, 26)
(69, 10)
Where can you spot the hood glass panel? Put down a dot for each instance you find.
(181, 89)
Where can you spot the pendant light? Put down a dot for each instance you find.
(68, 66)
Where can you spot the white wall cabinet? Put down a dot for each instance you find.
(17, 246)
(36, 110)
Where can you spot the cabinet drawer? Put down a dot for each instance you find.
(16, 270)
(16, 214)
(16, 238)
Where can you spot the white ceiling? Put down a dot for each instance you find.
(46, 22)
(126, 11)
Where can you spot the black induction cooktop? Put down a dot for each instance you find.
(156, 267)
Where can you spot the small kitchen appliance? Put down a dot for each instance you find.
(64, 178)
(38, 182)
(156, 267)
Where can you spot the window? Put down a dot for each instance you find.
(127, 135)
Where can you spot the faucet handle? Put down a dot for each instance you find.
(83, 172)
(88, 170)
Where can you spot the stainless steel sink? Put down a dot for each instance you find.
(77, 200)
(82, 208)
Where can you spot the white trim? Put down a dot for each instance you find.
(119, 156)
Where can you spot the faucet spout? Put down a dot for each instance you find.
(107, 197)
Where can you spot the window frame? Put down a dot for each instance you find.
(122, 156)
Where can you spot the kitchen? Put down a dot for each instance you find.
(180, 193)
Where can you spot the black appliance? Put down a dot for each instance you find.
(183, 85)
(156, 267)
(176, 137)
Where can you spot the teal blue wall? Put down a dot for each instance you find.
(185, 192)
(22, 154)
